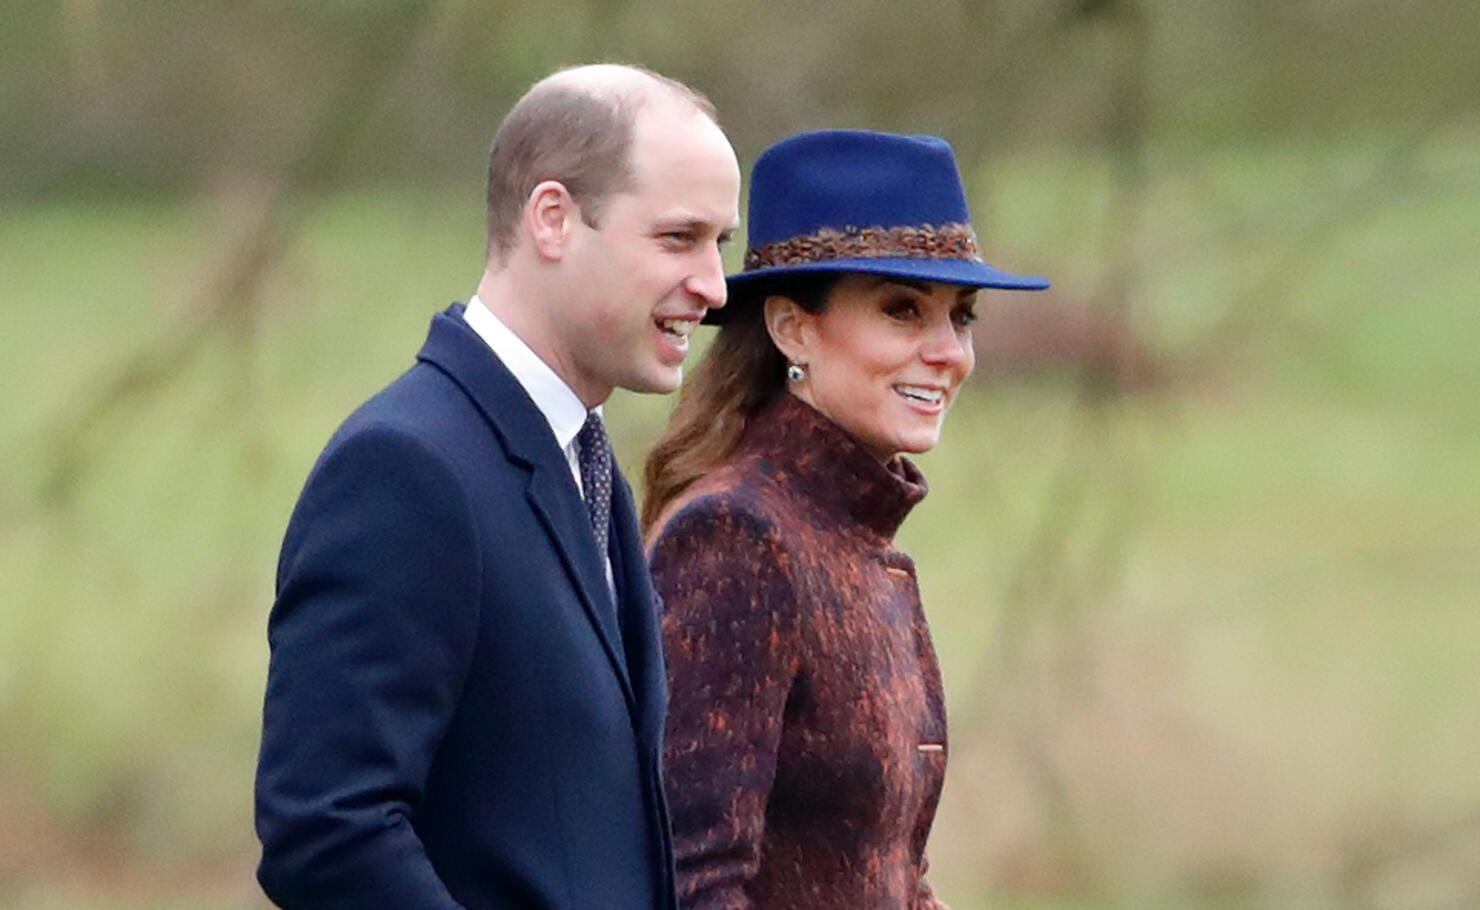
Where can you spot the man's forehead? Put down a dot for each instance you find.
(660, 124)
(688, 149)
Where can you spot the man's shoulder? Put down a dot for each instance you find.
(425, 410)
(416, 403)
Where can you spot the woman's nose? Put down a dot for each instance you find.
(947, 345)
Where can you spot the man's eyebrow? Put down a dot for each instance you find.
(693, 224)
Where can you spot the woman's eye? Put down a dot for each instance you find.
(901, 309)
(963, 318)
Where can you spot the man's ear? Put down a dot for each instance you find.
(549, 216)
(792, 329)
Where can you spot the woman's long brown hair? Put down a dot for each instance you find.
(742, 373)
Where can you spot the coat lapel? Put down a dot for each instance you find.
(641, 631)
(456, 350)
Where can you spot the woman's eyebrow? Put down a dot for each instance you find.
(921, 286)
(962, 293)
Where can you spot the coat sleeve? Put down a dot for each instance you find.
(371, 637)
(732, 645)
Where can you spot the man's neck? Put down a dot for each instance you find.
(514, 299)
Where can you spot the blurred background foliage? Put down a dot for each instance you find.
(1201, 554)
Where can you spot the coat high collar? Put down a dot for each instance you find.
(818, 459)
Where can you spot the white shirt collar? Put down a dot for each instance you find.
(560, 405)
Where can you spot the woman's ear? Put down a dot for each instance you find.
(792, 329)
(549, 214)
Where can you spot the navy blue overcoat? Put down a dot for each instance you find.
(456, 714)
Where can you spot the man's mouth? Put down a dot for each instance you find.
(679, 328)
(922, 394)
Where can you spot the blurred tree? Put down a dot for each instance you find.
(165, 94)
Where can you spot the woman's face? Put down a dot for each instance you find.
(885, 358)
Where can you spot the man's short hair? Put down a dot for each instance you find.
(572, 134)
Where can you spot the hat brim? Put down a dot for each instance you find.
(964, 272)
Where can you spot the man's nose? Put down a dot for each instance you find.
(708, 280)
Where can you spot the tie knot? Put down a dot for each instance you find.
(593, 433)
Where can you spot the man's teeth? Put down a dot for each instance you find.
(679, 327)
(929, 396)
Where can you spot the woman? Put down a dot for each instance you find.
(806, 740)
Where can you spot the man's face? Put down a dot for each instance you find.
(642, 280)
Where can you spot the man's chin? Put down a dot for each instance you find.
(670, 385)
(661, 382)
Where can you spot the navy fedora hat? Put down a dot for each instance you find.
(861, 201)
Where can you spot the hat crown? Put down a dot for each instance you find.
(852, 179)
(864, 202)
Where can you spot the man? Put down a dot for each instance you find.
(465, 697)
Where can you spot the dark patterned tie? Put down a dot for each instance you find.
(595, 457)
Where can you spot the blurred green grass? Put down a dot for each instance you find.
(1214, 637)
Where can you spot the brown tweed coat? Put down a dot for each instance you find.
(806, 733)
